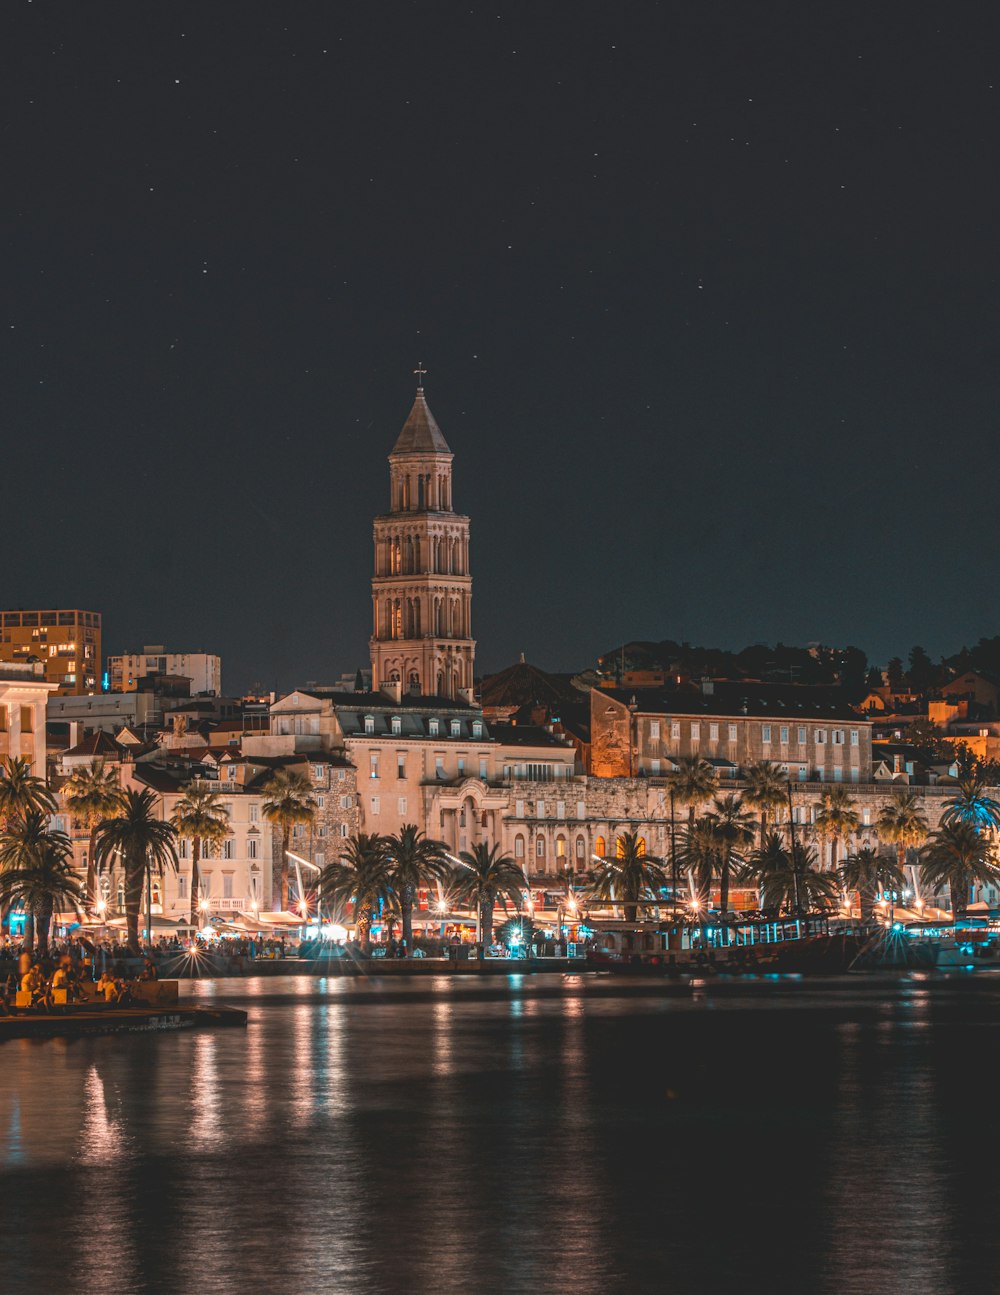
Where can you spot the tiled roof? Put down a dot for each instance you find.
(522, 684)
(526, 735)
(98, 743)
(421, 434)
(761, 700)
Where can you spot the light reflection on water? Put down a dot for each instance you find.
(520, 1134)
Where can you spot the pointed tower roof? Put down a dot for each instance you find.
(421, 434)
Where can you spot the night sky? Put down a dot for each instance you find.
(707, 295)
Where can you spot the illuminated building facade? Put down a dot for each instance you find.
(24, 692)
(66, 643)
(204, 669)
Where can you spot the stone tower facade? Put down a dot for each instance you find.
(422, 590)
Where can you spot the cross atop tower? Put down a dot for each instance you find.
(420, 371)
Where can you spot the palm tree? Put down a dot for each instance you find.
(971, 805)
(692, 783)
(200, 818)
(766, 791)
(732, 829)
(92, 794)
(21, 791)
(290, 802)
(901, 822)
(414, 860)
(360, 876)
(837, 819)
(33, 856)
(36, 872)
(144, 843)
(631, 877)
(869, 873)
(699, 856)
(789, 879)
(485, 874)
(958, 856)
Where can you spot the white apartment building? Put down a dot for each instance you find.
(204, 669)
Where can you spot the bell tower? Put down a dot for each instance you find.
(422, 590)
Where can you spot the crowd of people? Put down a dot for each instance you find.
(55, 981)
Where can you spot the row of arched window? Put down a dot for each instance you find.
(421, 490)
(580, 853)
(407, 555)
(403, 618)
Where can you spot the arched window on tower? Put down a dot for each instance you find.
(600, 847)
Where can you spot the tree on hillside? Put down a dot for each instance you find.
(922, 673)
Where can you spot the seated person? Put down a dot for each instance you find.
(107, 987)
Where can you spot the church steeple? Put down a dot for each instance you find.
(422, 589)
(421, 434)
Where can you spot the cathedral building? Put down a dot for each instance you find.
(422, 591)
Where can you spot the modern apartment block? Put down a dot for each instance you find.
(66, 643)
(204, 669)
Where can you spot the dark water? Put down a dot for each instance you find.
(534, 1134)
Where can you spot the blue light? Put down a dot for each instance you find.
(105, 682)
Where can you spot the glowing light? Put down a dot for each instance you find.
(441, 906)
(695, 905)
